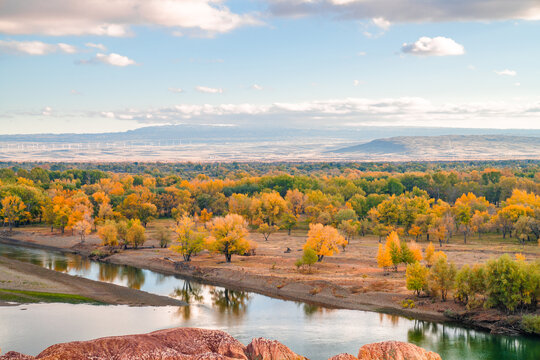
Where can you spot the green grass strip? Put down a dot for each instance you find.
(24, 296)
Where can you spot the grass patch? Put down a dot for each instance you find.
(23, 296)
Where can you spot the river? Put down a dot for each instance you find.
(312, 331)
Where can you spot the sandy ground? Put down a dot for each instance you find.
(350, 279)
(16, 275)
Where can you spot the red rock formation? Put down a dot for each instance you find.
(395, 350)
(270, 350)
(200, 344)
(343, 357)
(12, 355)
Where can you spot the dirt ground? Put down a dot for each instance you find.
(349, 279)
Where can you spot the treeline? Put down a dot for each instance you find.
(224, 170)
(434, 205)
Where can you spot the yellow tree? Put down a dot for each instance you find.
(325, 240)
(295, 200)
(228, 236)
(269, 208)
(394, 248)
(384, 259)
(135, 234)
(416, 251)
(108, 234)
(430, 254)
(189, 240)
(13, 209)
(266, 230)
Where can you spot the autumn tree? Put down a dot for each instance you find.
(430, 254)
(135, 234)
(325, 240)
(228, 236)
(13, 210)
(384, 259)
(266, 230)
(108, 234)
(394, 249)
(189, 240)
(416, 277)
(83, 226)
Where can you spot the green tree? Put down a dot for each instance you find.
(441, 277)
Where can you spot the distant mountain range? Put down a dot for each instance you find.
(448, 147)
(271, 143)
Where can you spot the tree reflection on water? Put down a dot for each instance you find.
(230, 301)
(134, 277)
(108, 272)
(189, 293)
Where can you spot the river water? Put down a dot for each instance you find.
(312, 331)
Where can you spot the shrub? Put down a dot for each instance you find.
(416, 275)
(470, 282)
(309, 257)
(512, 284)
(163, 236)
(531, 324)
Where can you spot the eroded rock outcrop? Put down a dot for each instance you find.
(261, 348)
(395, 350)
(200, 344)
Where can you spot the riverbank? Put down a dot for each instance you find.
(345, 281)
(22, 282)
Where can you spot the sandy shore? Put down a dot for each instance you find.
(17, 275)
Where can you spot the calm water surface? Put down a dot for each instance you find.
(315, 332)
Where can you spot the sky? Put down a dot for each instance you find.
(113, 65)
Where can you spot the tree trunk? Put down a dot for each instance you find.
(228, 257)
(319, 258)
(289, 231)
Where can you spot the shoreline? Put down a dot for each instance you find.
(315, 292)
(51, 281)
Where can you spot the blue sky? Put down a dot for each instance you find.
(308, 63)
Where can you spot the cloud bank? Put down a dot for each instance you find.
(116, 17)
(410, 11)
(34, 48)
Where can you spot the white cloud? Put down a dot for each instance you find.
(361, 53)
(75, 92)
(114, 18)
(341, 112)
(96, 46)
(47, 111)
(407, 11)
(256, 87)
(176, 90)
(209, 90)
(437, 46)
(517, 84)
(34, 47)
(381, 23)
(114, 59)
(357, 82)
(506, 72)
